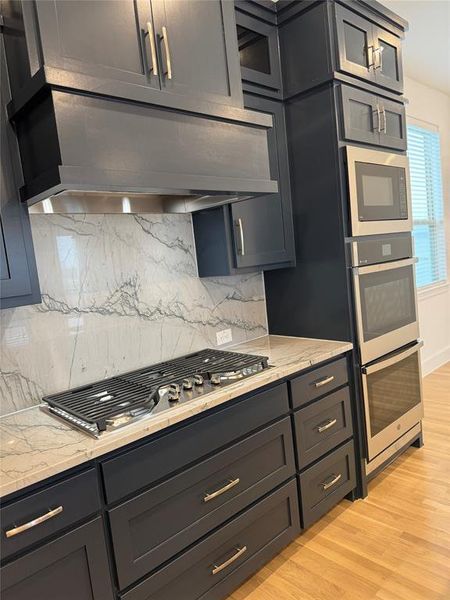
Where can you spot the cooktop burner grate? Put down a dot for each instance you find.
(130, 396)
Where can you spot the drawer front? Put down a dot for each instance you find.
(318, 382)
(322, 426)
(156, 525)
(327, 482)
(151, 462)
(56, 507)
(219, 563)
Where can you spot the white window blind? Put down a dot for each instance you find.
(424, 154)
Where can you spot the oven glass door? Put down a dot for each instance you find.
(386, 307)
(392, 397)
(381, 192)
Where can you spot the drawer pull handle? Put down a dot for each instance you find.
(327, 425)
(324, 381)
(21, 528)
(327, 484)
(225, 488)
(227, 563)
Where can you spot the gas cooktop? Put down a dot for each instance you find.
(112, 403)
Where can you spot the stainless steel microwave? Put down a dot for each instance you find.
(378, 191)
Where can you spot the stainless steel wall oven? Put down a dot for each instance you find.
(385, 294)
(392, 391)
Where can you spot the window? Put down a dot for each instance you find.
(424, 154)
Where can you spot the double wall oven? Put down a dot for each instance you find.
(383, 269)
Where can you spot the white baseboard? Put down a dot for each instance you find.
(435, 361)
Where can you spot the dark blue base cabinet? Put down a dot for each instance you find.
(195, 510)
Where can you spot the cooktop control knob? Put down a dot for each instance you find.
(215, 379)
(173, 392)
(187, 384)
(198, 380)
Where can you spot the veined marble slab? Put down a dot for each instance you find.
(119, 292)
(35, 445)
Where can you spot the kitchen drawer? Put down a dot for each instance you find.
(327, 482)
(157, 459)
(150, 529)
(318, 382)
(322, 426)
(218, 564)
(60, 505)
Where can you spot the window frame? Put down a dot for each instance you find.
(441, 286)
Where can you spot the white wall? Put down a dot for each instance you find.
(432, 106)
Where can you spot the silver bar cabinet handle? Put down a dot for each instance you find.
(370, 56)
(378, 127)
(383, 111)
(240, 226)
(227, 563)
(327, 484)
(21, 528)
(165, 38)
(328, 425)
(324, 381)
(378, 58)
(151, 38)
(225, 488)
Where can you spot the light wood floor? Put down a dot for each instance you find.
(394, 545)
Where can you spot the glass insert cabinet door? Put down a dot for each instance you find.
(392, 398)
(386, 307)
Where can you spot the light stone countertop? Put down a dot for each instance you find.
(35, 445)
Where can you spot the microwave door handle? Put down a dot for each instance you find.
(392, 359)
(387, 266)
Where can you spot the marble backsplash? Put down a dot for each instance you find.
(118, 292)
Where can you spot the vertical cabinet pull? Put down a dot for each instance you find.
(21, 528)
(370, 57)
(378, 55)
(327, 484)
(165, 38)
(154, 58)
(239, 224)
(378, 127)
(383, 112)
(227, 563)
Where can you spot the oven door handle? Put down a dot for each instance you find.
(396, 264)
(392, 359)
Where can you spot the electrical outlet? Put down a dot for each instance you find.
(224, 337)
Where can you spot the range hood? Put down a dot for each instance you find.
(73, 202)
(83, 153)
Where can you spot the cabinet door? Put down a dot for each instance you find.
(18, 276)
(72, 567)
(361, 116)
(259, 54)
(263, 225)
(355, 51)
(198, 49)
(388, 59)
(105, 39)
(393, 128)
(258, 231)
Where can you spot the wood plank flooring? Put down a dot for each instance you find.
(394, 545)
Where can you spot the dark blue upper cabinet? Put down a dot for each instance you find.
(155, 51)
(18, 276)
